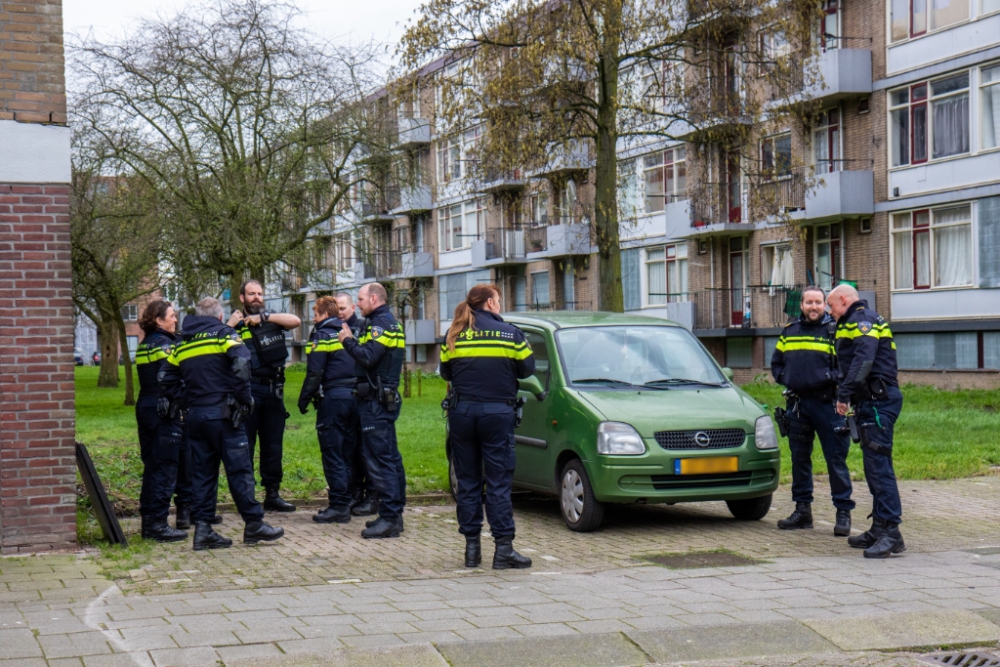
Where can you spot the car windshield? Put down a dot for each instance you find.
(653, 356)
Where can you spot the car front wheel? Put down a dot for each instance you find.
(752, 509)
(581, 511)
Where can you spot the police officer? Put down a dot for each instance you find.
(329, 384)
(867, 357)
(805, 362)
(364, 499)
(161, 429)
(483, 357)
(209, 370)
(379, 356)
(263, 332)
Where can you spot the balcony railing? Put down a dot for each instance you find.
(713, 203)
(754, 306)
(778, 194)
(505, 243)
(383, 264)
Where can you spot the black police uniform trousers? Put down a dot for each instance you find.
(182, 493)
(817, 415)
(160, 443)
(381, 452)
(482, 439)
(360, 481)
(877, 420)
(213, 439)
(337, 430)
(267, 422)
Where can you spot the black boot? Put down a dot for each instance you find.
(505, 558)
(357, 497)
(258, 531)
(382, 528)
(366, 507)
(889, 542)
(206, 538)
(275, 503)
(473, 551)
(399, 522)
(183, 519)
(869, 537)
(843, 526)
(802, 517)
(216, 519)
(145, 529)
(162, 532)
(333, 515)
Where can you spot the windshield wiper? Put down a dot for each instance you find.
(621, 383)
(675, 381)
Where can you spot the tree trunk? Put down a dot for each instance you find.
(609, 268)
(108, 334)
(127, 358)
(235, 282)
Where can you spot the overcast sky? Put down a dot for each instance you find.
(332, 19)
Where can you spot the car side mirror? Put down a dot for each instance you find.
(533, 386)
(728, 372)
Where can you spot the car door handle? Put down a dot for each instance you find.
(530, 442)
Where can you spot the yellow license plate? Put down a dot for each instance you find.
(706, 465)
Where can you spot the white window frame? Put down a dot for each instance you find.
(931, 229)
(927, 102)
(928, 30)
(834, 161)
(460, 224)
(993, 88)
(772, 139)
(817, 242)
(674, 258)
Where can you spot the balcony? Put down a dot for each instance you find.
(717, 208)
(508, 181)
(383, 265)
(377, 207)
(564, 158)
(499, 247)
(837, 195)
(837, 74)
(419, 332)
(417, 265)
(414, 132)
(751, 307)
(413, 199)
(560, 240)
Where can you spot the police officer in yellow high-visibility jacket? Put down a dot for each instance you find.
(483, 357)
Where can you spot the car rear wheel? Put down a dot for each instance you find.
(581, 511)
(752, 509)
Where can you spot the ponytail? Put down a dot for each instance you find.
(465, 317)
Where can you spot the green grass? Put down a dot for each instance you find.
(108, 429)
(941, 434)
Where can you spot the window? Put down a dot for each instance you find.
(937, 351)
(776, 155)
(739, 352)
(774, 44)
(989, 95)
(826, 142)
(540, 209)
(666, 274)
(652, 176)
(770, 343)
(988, 219)
(932, 248)
(540, 289)
(460, 224)
(449, 159)
(910, 17)
(133, 345)
(654, 85)
(453, 288)
(631, 280)
(568, 204)
(343, 252)
(569, 287)
(777, 266)
(945, 131)
(829, 28)
(628, 190)
(130, 312)
(520, 294)
(540, 352)
(990, 6)
(829, 258)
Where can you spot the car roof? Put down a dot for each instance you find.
(565, 319)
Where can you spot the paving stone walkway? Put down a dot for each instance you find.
(324, 597)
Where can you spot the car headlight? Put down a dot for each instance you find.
(619, 439)
(763, 433)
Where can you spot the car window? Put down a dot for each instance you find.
(541, 352)
(635, 355)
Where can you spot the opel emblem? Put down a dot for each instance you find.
(701, 439)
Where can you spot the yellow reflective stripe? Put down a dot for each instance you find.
(485, 352)
(151, 356)
(330, 345)
(200, 348)
(880, 332)
(803, 345)
(245, 334)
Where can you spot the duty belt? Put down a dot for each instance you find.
(267, 381)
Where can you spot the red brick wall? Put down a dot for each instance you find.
(32, 69)
(37, 464)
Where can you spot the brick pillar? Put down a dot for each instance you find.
(37, 466)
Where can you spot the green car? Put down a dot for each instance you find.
(631, 409)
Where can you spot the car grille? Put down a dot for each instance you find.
(721, 438)
(746, 478)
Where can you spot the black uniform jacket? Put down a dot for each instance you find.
(805, 359)
(257, 369)
(151, 354)
(211, 361)
(327, 364)
(487, 360)
(865, 348)
(380, 348)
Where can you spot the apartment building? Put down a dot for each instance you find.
(886, 176)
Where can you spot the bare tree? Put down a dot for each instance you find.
(246, 128)
(559, 80)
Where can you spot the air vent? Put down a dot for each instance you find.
(962, 658)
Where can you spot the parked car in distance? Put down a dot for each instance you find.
(78, 357)
(631, 409)
(96, 356)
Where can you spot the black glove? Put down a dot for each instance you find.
(304, 408)
(163, 406)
